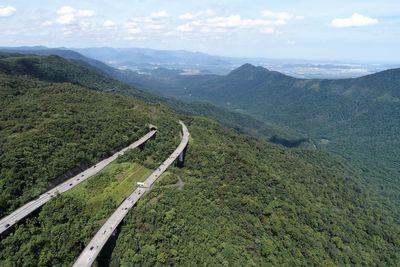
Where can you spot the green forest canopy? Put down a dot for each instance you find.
(243, 201)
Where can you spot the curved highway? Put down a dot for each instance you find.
(28, 208)
(94, 247)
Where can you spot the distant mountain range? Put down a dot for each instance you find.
(201, 63)
(188, 63)
(133, 57)
(243, 83)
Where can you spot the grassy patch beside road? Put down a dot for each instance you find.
(115, 182)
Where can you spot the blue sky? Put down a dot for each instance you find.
(358, 30)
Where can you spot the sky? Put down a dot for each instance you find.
(343, 30)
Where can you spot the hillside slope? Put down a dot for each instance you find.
(60, 65)
(357, 118)
(54, 68)
(47, 129)
(249, 203)
(238, 201)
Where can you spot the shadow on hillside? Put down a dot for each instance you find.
(288, 143)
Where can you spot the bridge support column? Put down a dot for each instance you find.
(141, 147)
(151, 128)
(181, 159)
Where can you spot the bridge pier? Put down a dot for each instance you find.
(141, 147)
(151, 128)
(154, 136)
(180, 162)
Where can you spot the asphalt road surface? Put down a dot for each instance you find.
(28, 208)
(94, 247)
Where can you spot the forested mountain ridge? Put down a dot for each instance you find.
(48, 129)
(276, 207)
(61, 52)
(272, 85)
(54, 68)
(59, 65)
(357, 118)
(239, 200)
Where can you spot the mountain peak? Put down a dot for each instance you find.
(248, 69)
(249, 66)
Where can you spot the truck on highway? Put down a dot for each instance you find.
(140, 184)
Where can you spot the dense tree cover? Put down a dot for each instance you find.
(69, 66)
(241, 122)
(357, 118)
(243, 202)
(57, 69)
(238, 201)
(57, 235)
(249, 203)
(47, 129)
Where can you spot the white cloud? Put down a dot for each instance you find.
(131, 24)
(206, 21)
(85, 13)
(6, 11)
(265, 24)
(276, 15)
(201, 13)
(185, 28)
(156, 22)
(159, 14)
(66, 19)
(356, 20)
(197, 23)
(134, 30)
(69, 15)
(187, 16)
(234, 22)
(65, 10)
(109, 24)
(132, 27)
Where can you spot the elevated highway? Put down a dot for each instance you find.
(94, 247)
(33, 205)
